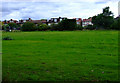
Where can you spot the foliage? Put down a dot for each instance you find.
(90, 27)
(12, 25)
(67, 24)
(79, 27)
(43, 27)
(103, 20)
(116, 24)
(54, 26)
(28, 26)
(5, 27)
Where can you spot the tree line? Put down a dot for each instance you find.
(104, 20)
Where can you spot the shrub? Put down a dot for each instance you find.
(79, 27)
(28, 26)
(5, 27)
(90, 27)
(12, 25)
(7, 38)
(67, 24)
(43, 27)
(54, 27)
(116, 25)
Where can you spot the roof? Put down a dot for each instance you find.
(78, 19)
(87, 20)
(36, 21)
(43, 21)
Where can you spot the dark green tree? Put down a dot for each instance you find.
(12, 25)
(104, 19)
(28, 26)
(116, 24)
(43, 27)
(67, 24)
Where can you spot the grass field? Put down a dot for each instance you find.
(60, 56)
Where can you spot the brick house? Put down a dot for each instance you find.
(10, 21)
(86, 22)
(78, 21)
(43, 21)
(13, 21)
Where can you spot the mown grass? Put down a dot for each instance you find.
(61, 56)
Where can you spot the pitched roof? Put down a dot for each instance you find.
(87, 20)
(35, 21)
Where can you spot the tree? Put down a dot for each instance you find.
(43, 27)
(103, 20)
(28, 26)
(54, 26)
(67, 24)
(79, 27)
(116, 24)
(6, 27)
(12, 25)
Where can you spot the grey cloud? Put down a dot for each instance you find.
(39, 10)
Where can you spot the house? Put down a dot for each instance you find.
(78, 21)
(43, 21)
(36, 22)
(21, 22)
(10, 21)
(55, 20)
(13, 21)
(86, 22)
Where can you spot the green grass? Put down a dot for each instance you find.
(60, 56)
(0, 56)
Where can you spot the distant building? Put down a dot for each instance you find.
(44, 21)
(55, 20)
(86, 22)
(10, 21)
(78, 21)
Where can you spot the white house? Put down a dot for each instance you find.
(86, 22)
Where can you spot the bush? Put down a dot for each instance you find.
(116, 25)
(5, 27)
(54, 27)
(90, 27)
(12, 25)
(28, 26)
(79, 27)
(67, 24)
(43, 27)
(7, 38)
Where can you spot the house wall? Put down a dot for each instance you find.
(86, 23)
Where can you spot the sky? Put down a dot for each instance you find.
(41, 9)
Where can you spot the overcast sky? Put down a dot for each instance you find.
(40, 9)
